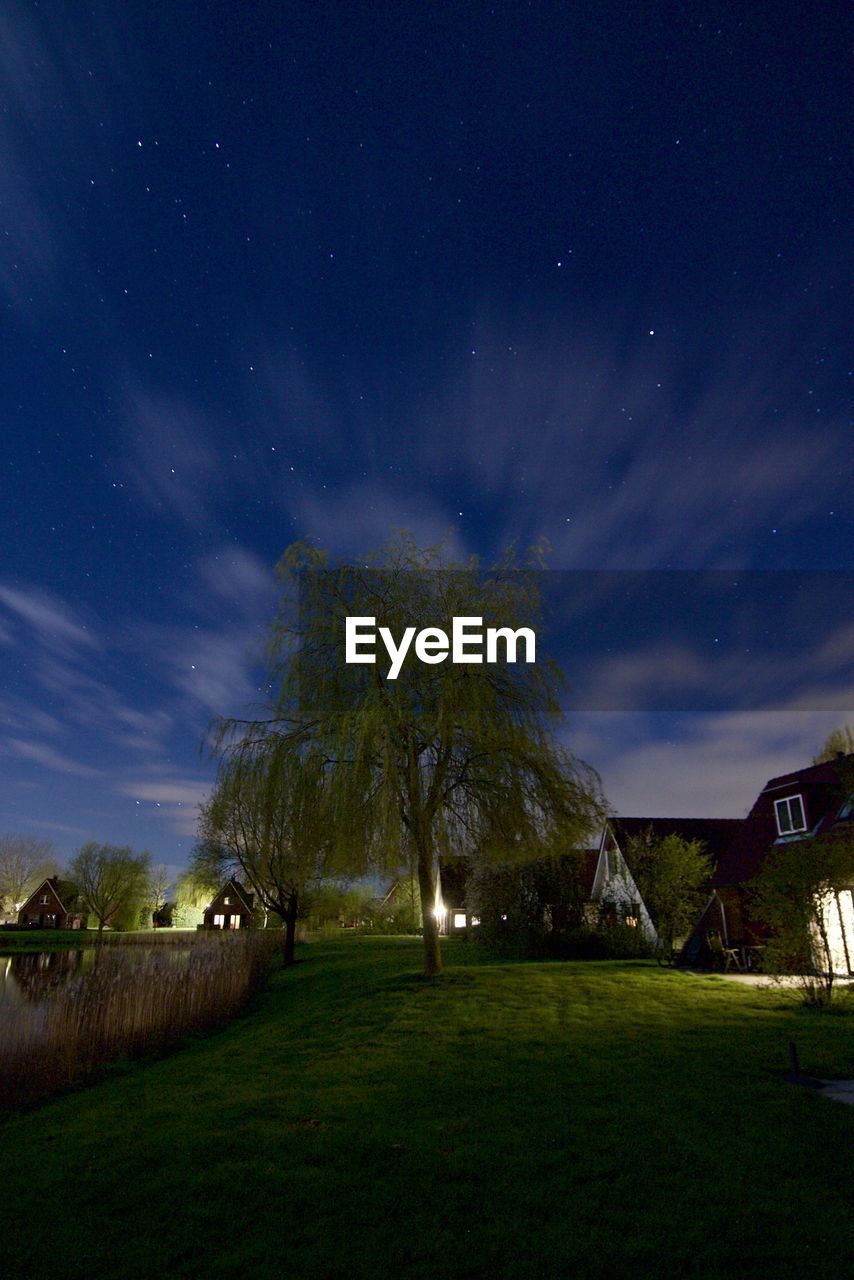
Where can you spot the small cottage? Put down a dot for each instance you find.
(231, 908)
(54, 905)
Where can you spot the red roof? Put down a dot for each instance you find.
(820, 787)
(716, 834)
(589, 863)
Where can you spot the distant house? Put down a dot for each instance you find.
(451, 909)
(54, 905)
(554, 890)
(231, 908)
(796, 806)
(402, 900)
(399, 907)
(614, 893)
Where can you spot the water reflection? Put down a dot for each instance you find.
(33, 975)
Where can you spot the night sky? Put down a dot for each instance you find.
(324, 270)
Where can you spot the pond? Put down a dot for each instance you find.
(65, 1013)
(30, 976)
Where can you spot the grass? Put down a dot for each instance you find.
(508, 1120)
(45, 939)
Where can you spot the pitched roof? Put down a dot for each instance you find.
(820, 786)
(589, 863)
(245, 896)
(65, 892)
(717, 834)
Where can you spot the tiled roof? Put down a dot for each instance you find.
(821, 790)
(717, 834)
(589, 862)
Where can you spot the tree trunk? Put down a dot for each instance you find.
(430, 926)
(290, 928)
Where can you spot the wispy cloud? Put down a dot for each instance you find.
(54, 115)
(361, 517)
(238, 577)
(211, 669)
(49, 619)
(90, 702)
(178, 799)
(48, 757)
(597, 443)
(172, 459)
(687, 766)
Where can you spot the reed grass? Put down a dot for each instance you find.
(131, 1002)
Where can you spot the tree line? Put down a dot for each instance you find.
(341, 773)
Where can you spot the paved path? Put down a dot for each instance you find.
(841, 1090)
(766, 980)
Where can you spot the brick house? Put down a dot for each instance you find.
(807, 803)
(54, 905)
(232, 908)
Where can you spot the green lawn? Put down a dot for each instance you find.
(45, 939)
(506, 1120)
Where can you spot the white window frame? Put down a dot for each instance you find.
(784, 805)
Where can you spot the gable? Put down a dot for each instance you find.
(238, 904)
(716, 834)
(54, 906)
(821, 795)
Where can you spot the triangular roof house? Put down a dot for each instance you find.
(55, 904)
(614, 888)
(231, 908)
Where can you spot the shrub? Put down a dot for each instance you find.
(601, 942)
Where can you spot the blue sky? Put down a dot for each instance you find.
(320, 271)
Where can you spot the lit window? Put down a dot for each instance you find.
(227, 901)
(459, 920)
(790, 815)
(219, 922)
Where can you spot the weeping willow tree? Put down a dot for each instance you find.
(266, 822)
(448, 758)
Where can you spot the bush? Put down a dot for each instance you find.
(601, 942)
(796, 896)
